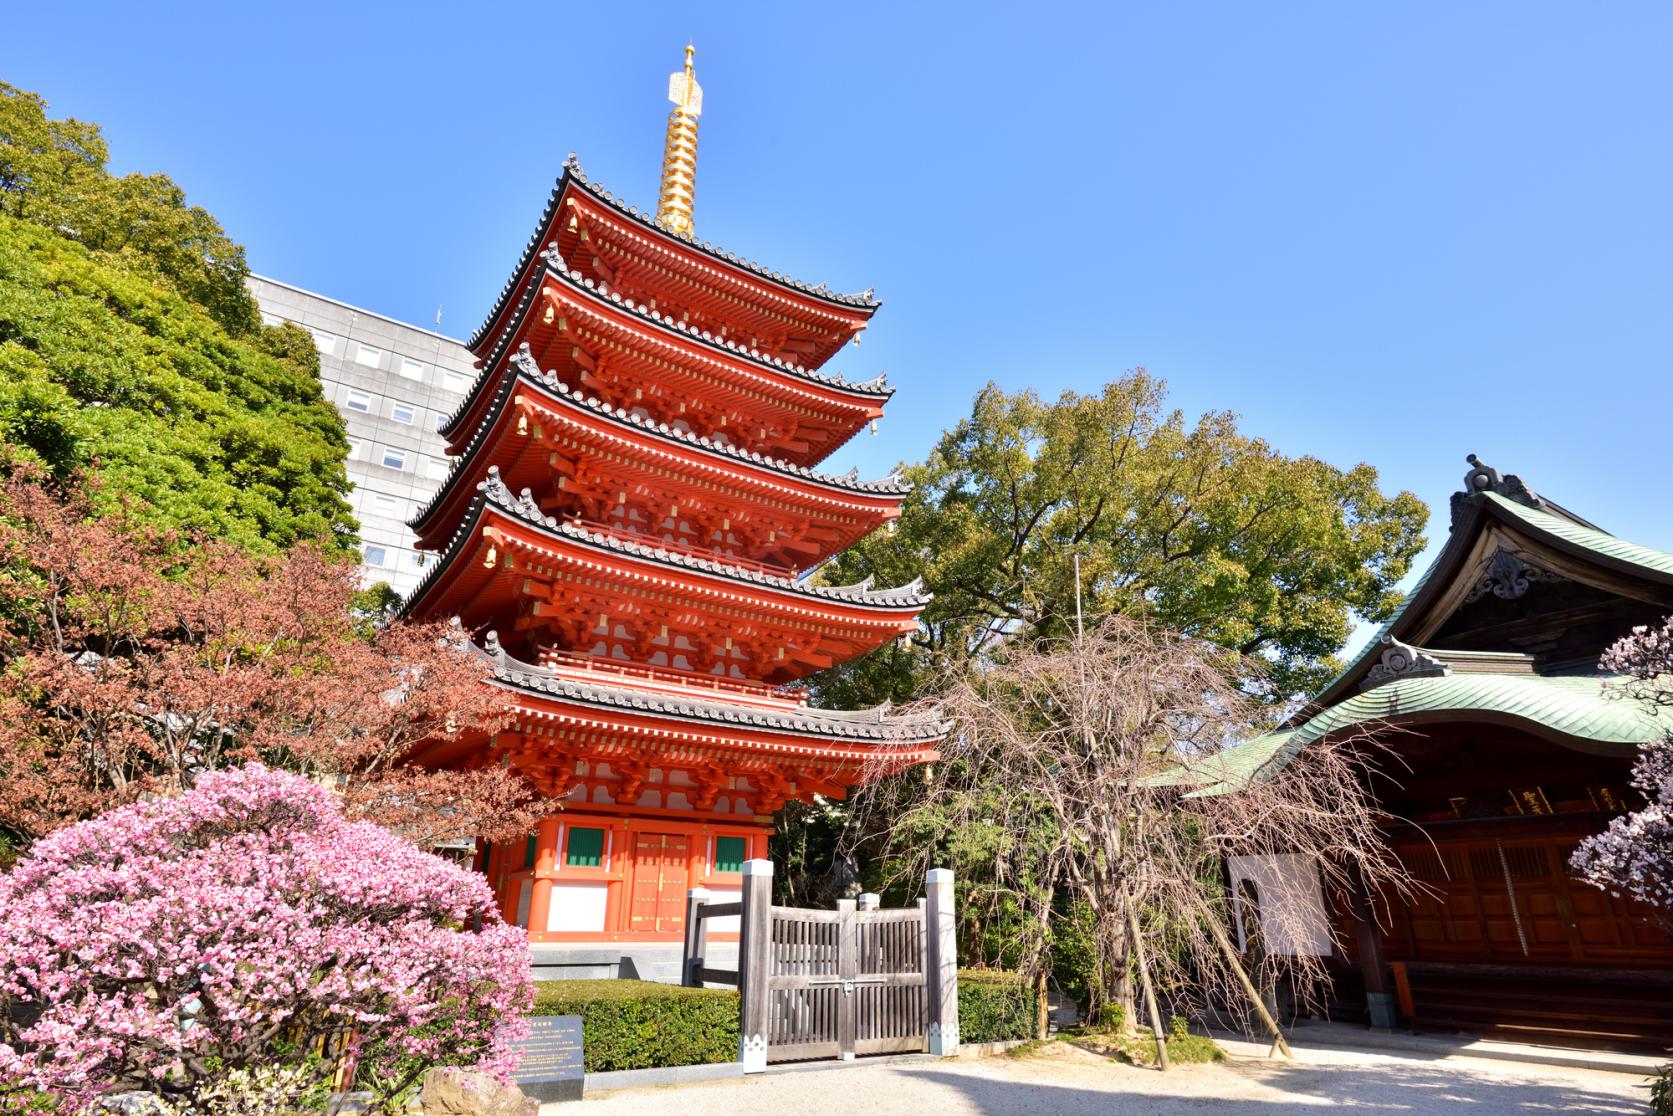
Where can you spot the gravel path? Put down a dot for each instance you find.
(1060, 1080)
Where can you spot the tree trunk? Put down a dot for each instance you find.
(1042, 1015)
(1149, 990)
(1122, 987)
(1249, 988)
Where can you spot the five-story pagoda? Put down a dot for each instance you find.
(633, 508)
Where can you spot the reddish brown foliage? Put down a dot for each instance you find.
(134, 660)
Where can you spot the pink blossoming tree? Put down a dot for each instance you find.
(239, 925)
(1634, 856)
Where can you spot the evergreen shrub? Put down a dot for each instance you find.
(635, 1024)
(994, 1006)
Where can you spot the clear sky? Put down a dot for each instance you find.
(1390, 233)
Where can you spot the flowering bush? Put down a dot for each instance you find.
(243, 924)
(1634, 856)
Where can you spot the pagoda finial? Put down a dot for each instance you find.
(679, 151)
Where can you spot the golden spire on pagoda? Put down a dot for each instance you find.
(679, 152)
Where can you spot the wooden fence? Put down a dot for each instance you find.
(819, 984)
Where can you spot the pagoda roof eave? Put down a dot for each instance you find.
(522, 370)
(494, 496)
(574, 176)
(874, 392)
(866, 726)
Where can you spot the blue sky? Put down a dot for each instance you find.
(1394, 234)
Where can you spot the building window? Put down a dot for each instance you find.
(359, 401)
(325, 342)
(456, 381)
(412, 369)
(435, 468)
(271, 319)
(441, 420)
(394, 458)
(368, 356)
(354, 448)
(729, 854)
(402, 412)
(376, 556)
(385, 505)
(586, 848)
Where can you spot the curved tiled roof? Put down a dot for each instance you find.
(877, 387)
(573, 173)
(1590, 539)
(1547, 522)
(527, 371)
(866, 725)
(1577, 707)
(493, 491)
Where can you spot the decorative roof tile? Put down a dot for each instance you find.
(524, 368)
(493, 491)
(868, 725)
(573, 173)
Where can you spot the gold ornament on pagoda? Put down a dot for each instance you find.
(679, 152)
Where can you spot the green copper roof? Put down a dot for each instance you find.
(1577, 707)
(1587, 538)
(1558, 529)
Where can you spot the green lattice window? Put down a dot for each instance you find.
(529, 852)
(729, 854)
(586, 848)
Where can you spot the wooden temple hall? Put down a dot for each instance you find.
(635, 503)
(1514, 751)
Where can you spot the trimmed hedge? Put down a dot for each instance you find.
(635, 1024)
(994, 1006)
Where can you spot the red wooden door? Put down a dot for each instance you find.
(661, 871)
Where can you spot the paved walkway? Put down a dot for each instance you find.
(1060, 1080)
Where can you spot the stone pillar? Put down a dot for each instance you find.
(941, 968)
(755, 949)
(870, 901)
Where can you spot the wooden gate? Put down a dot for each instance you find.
(845, 982)
(822, 984)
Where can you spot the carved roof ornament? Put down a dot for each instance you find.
(1482, 477)
(1507, 576)
(1400, 661)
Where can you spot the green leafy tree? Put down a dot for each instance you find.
(53, 173)
(105, 370)
(131, 351)
(1199, 527)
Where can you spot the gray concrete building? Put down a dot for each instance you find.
(392, 383)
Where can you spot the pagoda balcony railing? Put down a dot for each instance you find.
(587, 668)
(658, 542)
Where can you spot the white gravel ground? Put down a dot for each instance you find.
(1063, 1081)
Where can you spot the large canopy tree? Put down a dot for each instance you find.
(1201, 528)
(130, 350)
(53, 173)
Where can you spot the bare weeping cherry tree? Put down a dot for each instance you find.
(1126, 766)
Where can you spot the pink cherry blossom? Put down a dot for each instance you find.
(243, 924)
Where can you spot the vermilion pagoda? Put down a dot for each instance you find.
(634, 502)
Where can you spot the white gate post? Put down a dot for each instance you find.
(696, 937)
(941, 969)
(755, 946)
